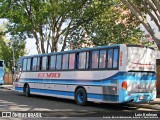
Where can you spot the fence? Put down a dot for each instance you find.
(8, 79)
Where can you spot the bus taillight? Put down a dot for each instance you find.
(124, 85)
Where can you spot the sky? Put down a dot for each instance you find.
(31, 47)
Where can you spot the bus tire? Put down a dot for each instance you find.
(81, 96)
(27, 90)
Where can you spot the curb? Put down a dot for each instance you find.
(8, 88)
(155, 105)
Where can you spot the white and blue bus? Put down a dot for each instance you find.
(108, 74)
(2, 72)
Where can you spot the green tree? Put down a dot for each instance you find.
(59, 21)
(143, 8)
(64, 22)
(7, 46)
(50, 21)
(5, 51)
(113, 24)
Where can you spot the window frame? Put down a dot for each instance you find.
(38, 66)
(74, 61)
(86, 56)
(42, 62)
(92, 59)
(117, 58)
(106, 62)
(117, 68)
(105, 59)
(25, 64)
(30, 64)
(51, 62)
(88, 60)
(62, 61)
(35, 64)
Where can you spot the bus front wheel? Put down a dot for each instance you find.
(81, 96)
(27, 90)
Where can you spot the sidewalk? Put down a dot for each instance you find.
(151, 105)
(9, 87)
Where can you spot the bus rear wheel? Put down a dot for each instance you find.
(27, 90)
(81, 96)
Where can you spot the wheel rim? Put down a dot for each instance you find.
(27, 90)
(81, 97)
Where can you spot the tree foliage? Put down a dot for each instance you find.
(54, 22)
(49, 21)
(7, 46)
(143, 8)
(113, 24)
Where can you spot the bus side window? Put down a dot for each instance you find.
(71, 61)
(34, 63)
(52, 62)
(115, 58)
(102, 59)
(38, 64)
(65, 62)
(87, 60)
(29, 64)
(59, 62)
(110, 60)
(82, 60)
(95, 56)
(24, 68)
(44, 63)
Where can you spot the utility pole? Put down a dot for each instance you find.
(13, 55)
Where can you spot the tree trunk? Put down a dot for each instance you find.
(37, 42)
(135, 11)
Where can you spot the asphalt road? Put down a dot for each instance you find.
(11, 101)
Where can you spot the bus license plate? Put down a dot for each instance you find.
(141, 97)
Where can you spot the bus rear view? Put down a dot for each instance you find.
(139, 82)
(1, 71)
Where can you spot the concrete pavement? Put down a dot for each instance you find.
(9, 87)
(151, 105)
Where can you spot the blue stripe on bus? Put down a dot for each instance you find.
(119, 76)
(68, 93)
(65, 93)
(68, 82)
(18, 89)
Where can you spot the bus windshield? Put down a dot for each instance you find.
(141, 55)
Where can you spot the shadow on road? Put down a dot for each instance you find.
(58, 107)
(103, 106)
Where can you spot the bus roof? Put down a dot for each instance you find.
(73, 51)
